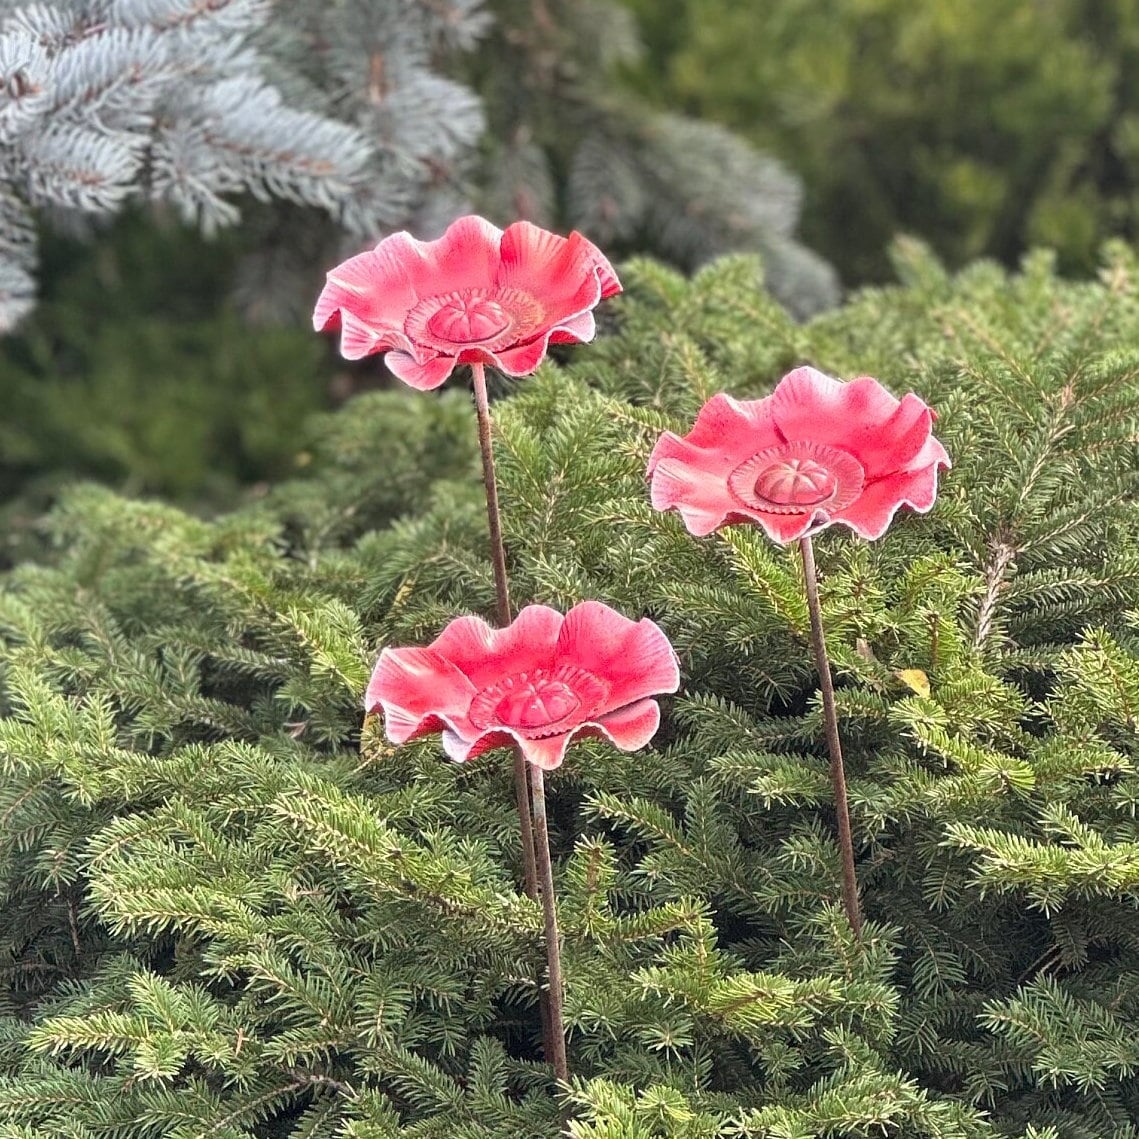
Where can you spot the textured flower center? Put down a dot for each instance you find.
(795, 482)
(468, 320)
(798, 478)
(539, 702)
(490, 318)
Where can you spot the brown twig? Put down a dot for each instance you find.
(1003, 554)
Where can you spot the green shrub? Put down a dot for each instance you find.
(983, 126)
(229, 911)
(136, 369)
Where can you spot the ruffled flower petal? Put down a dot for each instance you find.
(731, 429)
(358, 339)
(556, 269)
(787, 528)
(808, 404)
(537, 684)
(548, 752)
(634, 658)
(631, 727)
(461, 749)
(932, 454)
(425, 376)
(376, 287)
(523, 360)
(697, 499)
(466, 256)
(815, 452)
(580, 329)
(567, 276)
(610, 285)
(693, 480)
(477, 295)
(529, 254)
(872, 514)
(485, 654)
(418, 691)
(861, 417)
(894, 444)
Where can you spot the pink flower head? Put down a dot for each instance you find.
(814, 452)
(478, 295)
(540, 682)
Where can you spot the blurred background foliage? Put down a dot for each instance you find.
(983, 126)
(168, 362)
(136, 368)
(809, 131)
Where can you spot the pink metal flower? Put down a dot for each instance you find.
(478, 295)
(814, 452)
(540, 682)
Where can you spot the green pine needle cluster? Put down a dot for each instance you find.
(229, 910)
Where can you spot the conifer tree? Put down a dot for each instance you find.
(570, 145)
(230, 910)
(344, 120)
(339, 107)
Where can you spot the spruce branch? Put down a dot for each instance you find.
(258, 903)
(193, 103)
(1003, 554)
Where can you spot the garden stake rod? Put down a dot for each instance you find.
(834, 746)
(504, 613)
(528, 785)
(556, 994)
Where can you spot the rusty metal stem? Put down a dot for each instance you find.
(830, 719)
(556, 1054)
(504, 612)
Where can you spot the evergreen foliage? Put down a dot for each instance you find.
(348, 118)
(119, 376)
(567, 147)
(192, 104)
(983, 126)
(229, 910)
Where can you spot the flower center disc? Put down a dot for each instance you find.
(488, 318)
(795, 482)
(469, 319)
(797, 478)
(538, 702)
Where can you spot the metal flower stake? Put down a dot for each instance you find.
(536, 684)
(815, 452)
(480, 296)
